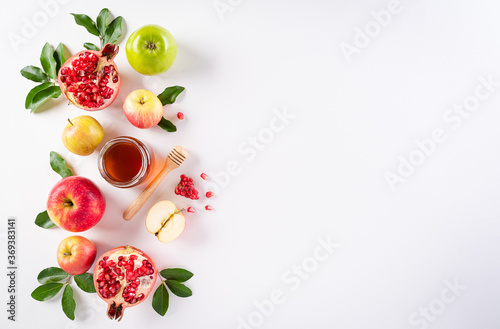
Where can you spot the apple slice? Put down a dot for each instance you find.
(165, 221)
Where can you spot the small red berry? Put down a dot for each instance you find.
(209, 194)
(207, 207)
(180, 115)
(204, 176)
(191, 210)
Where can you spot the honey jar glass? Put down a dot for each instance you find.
(125, 161)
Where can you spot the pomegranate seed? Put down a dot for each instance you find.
(207, 207)
(191, 210)
(186, 188)
(209, 194)
(204, 176)
(180, 115)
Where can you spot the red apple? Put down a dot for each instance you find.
(143, 108)
(75, 204)
(76, 254)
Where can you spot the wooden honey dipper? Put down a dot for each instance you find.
(174, 159)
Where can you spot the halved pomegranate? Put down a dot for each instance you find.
(124, 277)
(89, 79)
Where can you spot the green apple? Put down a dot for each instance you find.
(82, 135)
(151, 50)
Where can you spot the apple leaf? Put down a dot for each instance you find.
(85, 282)
(51, 274)
(59, 165)
(160, 300)
(46, 291)
(178, 288)
(167, 125)
(86, 22)
(68, 302)
(48, 61)
(43, 220)
(169, 95)
(34, 73)
(177, 274)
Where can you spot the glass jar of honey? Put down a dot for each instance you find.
(125, 161)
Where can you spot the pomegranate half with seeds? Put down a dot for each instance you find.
(124, 277)
(89, 79)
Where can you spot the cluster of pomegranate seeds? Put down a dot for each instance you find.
(186, 188)
(109, 279)
(180, 115)
(89, 87)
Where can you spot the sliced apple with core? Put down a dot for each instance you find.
(165, 221)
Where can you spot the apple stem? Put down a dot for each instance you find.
(67, 204)
(67, 254)
(70, 121)
(142, 101)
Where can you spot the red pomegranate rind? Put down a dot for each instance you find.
(90, 79)
(124, 277)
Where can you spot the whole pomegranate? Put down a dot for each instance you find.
(124, 277)
(89, 79)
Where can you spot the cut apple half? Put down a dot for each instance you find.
(165, 221)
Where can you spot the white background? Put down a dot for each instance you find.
(321, 177)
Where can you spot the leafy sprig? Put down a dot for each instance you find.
(53, 279)
(174, 278)
(107, 33)
(51, 61)
(58, 164)
(168, 96)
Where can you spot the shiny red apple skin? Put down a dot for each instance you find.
(76, 254)
(76, 204)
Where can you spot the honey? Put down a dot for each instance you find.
(125, 161)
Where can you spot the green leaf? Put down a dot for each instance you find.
(113, 31)
(177, 274)
(178, 288)
(46, 291)
(90, 46)
(48, 61)
(160, 300)
(51, 274)
(34, 91)
(59, 165)
(167, 125)
(101, 21)
(59, 56)
(43, 220)
(34, 73)
(169, 95)
(68, 302)
(43, 95)
(86, 22)
(85, 282)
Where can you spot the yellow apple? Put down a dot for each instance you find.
(143, 109)
(82, 135)
(165, 221)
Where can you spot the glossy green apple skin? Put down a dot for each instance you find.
(151, 50)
